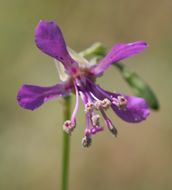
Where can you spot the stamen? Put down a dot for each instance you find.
(95, 124)
(88, 99)
(87, 132)
(86, 141)
(98, 104)
(95, 119)
(109, 123)
(89, 107)
(120, 102)
(68, 126)
(96, 129)
(73, 117)
(112, 128)
(106, 103)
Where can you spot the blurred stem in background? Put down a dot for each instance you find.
(66, 146)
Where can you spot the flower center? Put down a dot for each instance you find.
(96, 102)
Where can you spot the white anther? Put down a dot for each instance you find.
(89, 107)
(120, 102)
(68, 126)
(98, 104)
(95, 119)
(106, 103)
(86, 141)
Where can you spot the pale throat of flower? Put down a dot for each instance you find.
(83, 64)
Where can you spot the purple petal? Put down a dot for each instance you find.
(49, 39)
(117, 53)
(31, 97)
(135, 111)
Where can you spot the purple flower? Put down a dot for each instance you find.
(78, 76)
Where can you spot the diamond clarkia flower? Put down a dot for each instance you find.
(78, 76)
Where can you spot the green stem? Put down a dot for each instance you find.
(66, 146)
(94, 51)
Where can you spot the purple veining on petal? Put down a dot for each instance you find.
(31, 97)
(135, 111)
(49, 39)
(117, 53)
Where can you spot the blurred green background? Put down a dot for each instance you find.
(30, 142)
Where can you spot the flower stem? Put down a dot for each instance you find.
(66, 146)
